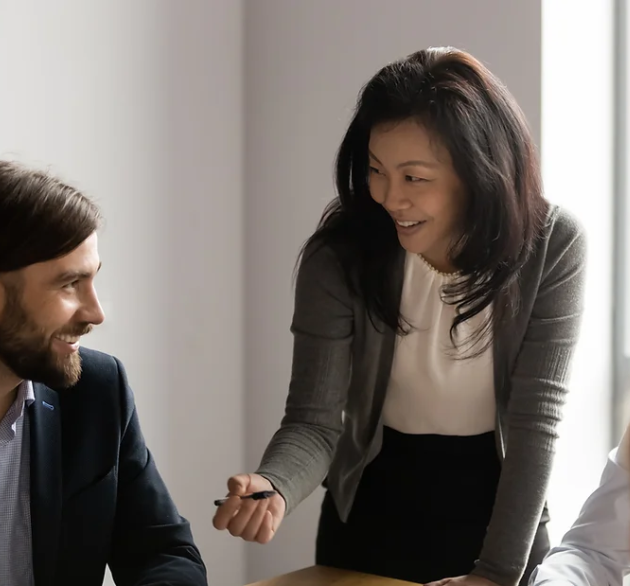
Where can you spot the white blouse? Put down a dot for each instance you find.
(431, 391)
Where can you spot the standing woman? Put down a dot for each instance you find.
(437, 309)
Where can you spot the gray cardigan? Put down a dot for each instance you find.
(341, 365)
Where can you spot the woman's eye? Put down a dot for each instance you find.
(413, 179)
(374, 170)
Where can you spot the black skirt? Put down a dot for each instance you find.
(421, 510)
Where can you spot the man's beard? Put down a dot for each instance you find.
(27, 351)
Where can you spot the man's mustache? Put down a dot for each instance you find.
(76, 331)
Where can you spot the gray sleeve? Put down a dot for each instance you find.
(299, 455)
(539, 388)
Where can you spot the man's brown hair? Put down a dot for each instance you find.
(41, 217)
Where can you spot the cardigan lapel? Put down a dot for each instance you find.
(386, 355)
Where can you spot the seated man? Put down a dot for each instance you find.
(596, 550)
(79, 489)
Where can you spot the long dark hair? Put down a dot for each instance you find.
(41, 218)
(469, 110)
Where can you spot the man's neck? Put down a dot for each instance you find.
(6, 400)
(9, 384)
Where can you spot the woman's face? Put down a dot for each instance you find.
(412, 177)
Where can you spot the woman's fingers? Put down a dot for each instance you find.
(226, 512)
(239, 522)
(267, 529)
(252, 528)
(248, 518)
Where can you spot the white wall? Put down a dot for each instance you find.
(204, 142)
(577, 156)
(305, 63)
(140, 104)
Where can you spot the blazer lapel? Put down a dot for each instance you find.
(46, 476)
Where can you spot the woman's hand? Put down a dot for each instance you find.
(249, 519)
(469, 580)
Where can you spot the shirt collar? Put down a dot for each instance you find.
(24, 398)
(26, 393)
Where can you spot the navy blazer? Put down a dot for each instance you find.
(96, 495)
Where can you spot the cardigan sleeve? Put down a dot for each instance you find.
(298, 457)
(538, 392)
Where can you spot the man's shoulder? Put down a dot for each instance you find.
(99, 398)
(101, 374)
(95, 363)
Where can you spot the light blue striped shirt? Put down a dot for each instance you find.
(16, 551)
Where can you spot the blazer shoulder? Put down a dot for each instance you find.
(100, 397)
(99, 368)
(103, 381)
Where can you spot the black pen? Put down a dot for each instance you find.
(255, 496)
